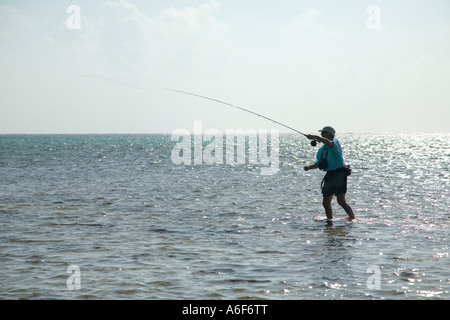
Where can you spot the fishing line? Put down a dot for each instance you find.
(313, 142)
(237, 107)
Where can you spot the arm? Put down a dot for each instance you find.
(325, 141)
(313, 166)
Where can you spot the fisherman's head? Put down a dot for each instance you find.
(328, 132)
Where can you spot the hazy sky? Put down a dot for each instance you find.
(89, 66)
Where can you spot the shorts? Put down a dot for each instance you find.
(334, 182)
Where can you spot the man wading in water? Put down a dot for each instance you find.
(329, 159)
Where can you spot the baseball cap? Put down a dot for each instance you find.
(329, 130)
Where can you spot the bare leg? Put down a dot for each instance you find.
(343, 203)
(327, 205)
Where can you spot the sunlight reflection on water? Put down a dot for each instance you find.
(140, 227)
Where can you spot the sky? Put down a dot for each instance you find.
(96, 66)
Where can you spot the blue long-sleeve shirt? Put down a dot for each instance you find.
(333, 156)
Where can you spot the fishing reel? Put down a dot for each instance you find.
(313, 143)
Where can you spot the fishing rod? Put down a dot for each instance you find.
(313, 142)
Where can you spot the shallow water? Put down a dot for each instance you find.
(140, 227)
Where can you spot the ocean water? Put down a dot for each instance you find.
(134, 225)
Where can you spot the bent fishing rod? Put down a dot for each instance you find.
(313, 142)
